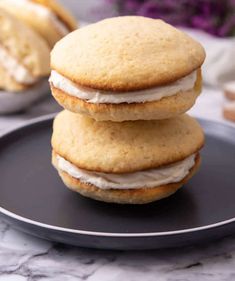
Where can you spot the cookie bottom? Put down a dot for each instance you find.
(124, 196)
(164, 108)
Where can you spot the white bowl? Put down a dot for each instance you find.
(15, 102)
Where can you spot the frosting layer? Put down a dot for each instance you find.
(142, 179)
(96, 96)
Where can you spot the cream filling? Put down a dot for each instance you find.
(96, 96)
(143, 179)
(44, 12)
(16, 70)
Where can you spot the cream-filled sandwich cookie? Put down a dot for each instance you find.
(127, 68)
(131, 162)
(24, 55)
(47, 17)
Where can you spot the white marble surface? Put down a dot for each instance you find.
(23, 257)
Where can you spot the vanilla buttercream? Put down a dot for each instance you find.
(141, 179)
(96, 96)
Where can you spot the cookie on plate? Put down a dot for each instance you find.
(133, 162)
(24, 55)
(47, 17)
(127, 68)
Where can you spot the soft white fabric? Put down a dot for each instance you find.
(219, 66)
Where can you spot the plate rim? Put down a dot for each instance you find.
(12, 215)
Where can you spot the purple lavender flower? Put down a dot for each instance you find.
(213, 16)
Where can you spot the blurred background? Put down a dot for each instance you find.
(213, 16)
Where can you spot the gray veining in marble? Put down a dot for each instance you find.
(23, 257)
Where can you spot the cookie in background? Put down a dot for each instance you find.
(47, 17)
(24, 63)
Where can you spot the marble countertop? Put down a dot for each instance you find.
(26, 258)
(23, 257)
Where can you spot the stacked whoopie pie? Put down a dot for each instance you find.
(126, 83)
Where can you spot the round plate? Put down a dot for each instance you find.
(34, 199)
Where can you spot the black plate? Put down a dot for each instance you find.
(34, 199)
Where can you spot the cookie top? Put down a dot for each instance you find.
(126, 53)
(24, 45)
(124, 147)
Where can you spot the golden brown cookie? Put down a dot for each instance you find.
(127, 68)
(130, 146)
(127, 53)
(96, 158)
